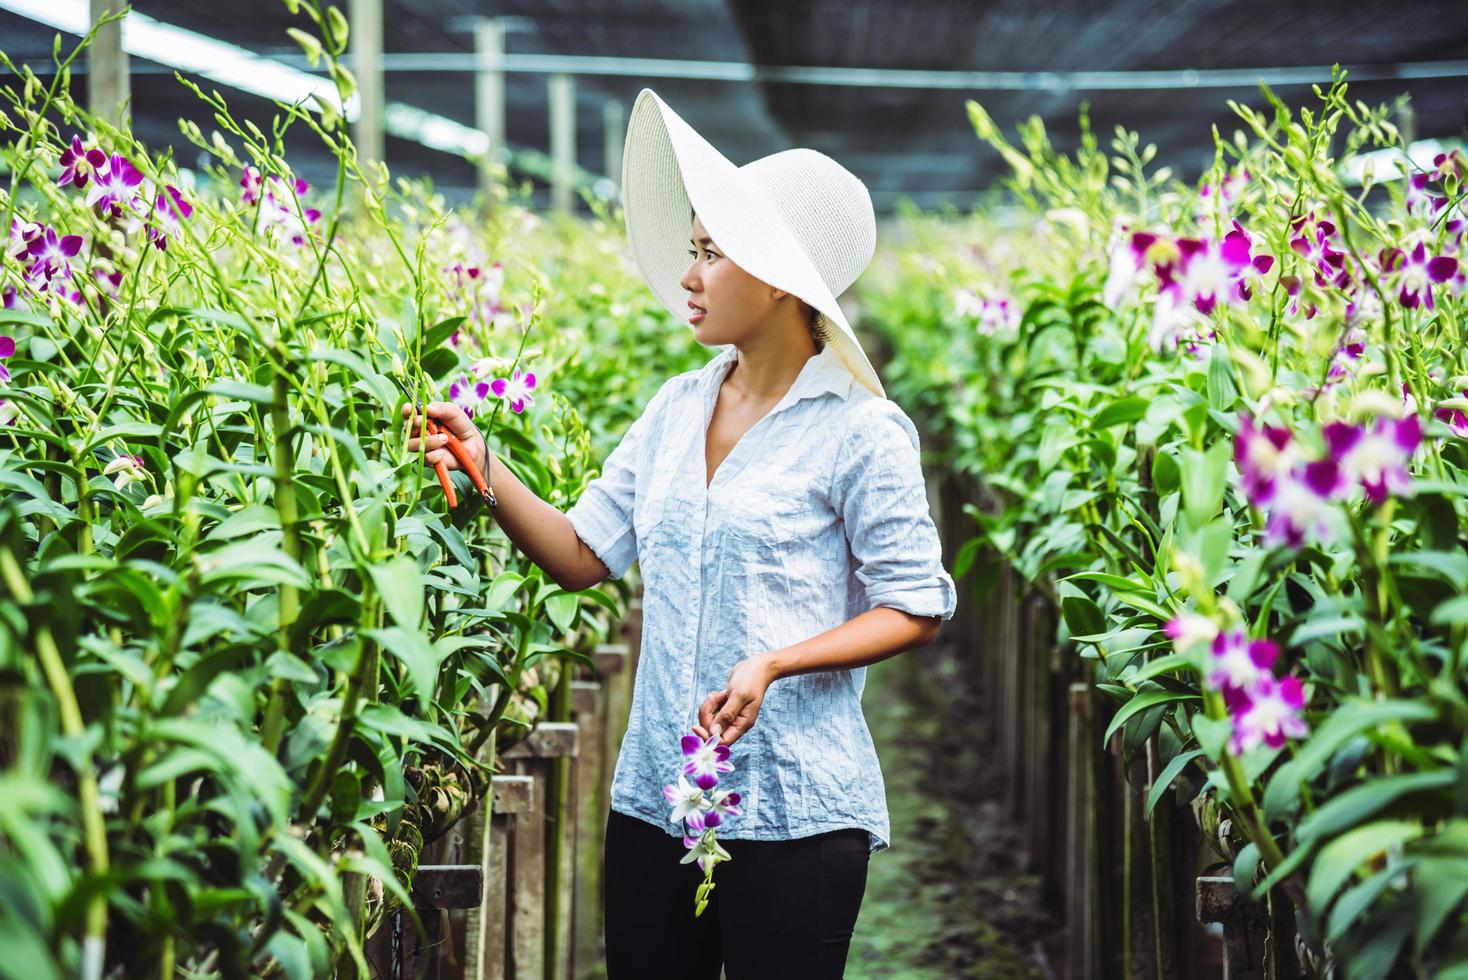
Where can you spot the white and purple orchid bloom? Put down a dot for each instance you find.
(9, 412)
(468, 395)
(1195, 276)
(22, 235)
(1237, 661)
(1347, 356)
(79, 164)
(515, 389)
(706, 850)
(1301, 508)
(686, 799)
(1314, 243)
(705, 759)
(1454, 419)
(127, 469)
(1414, 274)
(1264, 455)
(169, 210)
(115, 189)
(281, 214)
(1221, 198)
(1209, 272)
(1268, 713)
(998, 316)
(252, 183)
(1128, 253)
(1374, 458)
(50, 256)
(1187, 630)
(967, 304)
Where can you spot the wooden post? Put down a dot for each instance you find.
(614, 126)
(489, 99)
(365, 39)
(1081, 885)
(1139, 936)
(512, 797)
(1243, 947)
(537, 939)
(562, 96)
(587, 711)
(107, 77)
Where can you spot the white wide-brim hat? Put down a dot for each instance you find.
(796, 219)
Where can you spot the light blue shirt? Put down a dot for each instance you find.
(819, 513)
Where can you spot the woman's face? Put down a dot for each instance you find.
(739, 306)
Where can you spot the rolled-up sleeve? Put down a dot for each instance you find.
(879, 491)
(602, 515)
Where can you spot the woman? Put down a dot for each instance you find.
(776, 506)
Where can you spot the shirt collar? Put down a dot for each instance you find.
(821, 373)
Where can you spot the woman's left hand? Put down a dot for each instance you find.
(730, 713)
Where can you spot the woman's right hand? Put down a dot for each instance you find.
(450, 418)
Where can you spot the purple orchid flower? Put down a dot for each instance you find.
(1300, 507)
(7, 348)
(1454, 418)
(998, 315)
(706, 759)
(116, 187)
(1313, 243)
(468, 395)
(1238, 662)
(79, 164)
(9, 412)
(1415, 273)
(51, 257)
(22, 235)
(1376, 458)
(1263, 456)
(169, 210)
(687, 800)
(252, 183)
(1270, 715)
(1187, 630)
(516, 389)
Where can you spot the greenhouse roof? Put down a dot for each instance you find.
(877, 85)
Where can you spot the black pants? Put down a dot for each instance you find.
(779, 909)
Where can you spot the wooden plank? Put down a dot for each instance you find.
(1081, 854)
(548, 740)
(587, 703)
(494, 931)
(512, 793)
(527, 877)
(610, 658)
(448, 886)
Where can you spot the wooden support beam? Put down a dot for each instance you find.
(489, 99)
(107, 77)
(365, 41)
(562, 97)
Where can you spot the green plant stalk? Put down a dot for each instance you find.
(1238, 786)
(357, 684)
(289, 602)
(93, 826)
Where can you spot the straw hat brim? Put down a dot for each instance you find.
(668, 170)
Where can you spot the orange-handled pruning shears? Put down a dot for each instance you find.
(465, 460)
(432, 428)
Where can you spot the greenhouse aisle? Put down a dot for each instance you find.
(947, 900)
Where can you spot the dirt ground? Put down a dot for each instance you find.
(947, 900)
